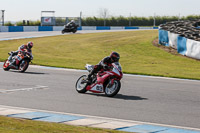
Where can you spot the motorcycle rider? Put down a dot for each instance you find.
(70, 24)
(105, 63)
(23, 48)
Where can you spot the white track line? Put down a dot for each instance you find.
(24, 89)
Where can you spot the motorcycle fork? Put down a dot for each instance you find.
(112, 79)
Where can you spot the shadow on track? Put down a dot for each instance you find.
(126, 97)
(120, 96)
(27, 72)
(33, 73)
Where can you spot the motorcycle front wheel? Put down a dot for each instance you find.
(23, 65)
(112, 90)
(81, 87)
(6, 65)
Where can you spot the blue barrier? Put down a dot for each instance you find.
(45, 28)
(163, 37)
(57, 28)
(181, 45)
(131, 28)
(15, 29)
(79, 28)
(103, 28)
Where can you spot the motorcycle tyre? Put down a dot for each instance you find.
(6, 68)
(74, 31)
(116, 91)
(25, 67)
(82, 90)
(63, 31)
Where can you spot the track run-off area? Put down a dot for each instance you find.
(160, 100)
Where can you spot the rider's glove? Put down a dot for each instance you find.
(10, 53)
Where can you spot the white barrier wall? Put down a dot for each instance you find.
(145, 27)
(193, 49)
(4, 29)
(58, 28)
(30, 28)
(116, 28)
(88, 27)
(172, 40)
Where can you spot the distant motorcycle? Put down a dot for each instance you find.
(69, 28)
(107, 81)
(22, 64)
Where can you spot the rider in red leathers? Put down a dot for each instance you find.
(22, 48)
(104, 64)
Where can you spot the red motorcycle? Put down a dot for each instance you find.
(105, 81)
(22, 60)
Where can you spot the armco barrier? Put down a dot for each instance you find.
(184, 46)
(59, 28)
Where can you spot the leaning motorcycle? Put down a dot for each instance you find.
(68, 29)
(105, 81)
(22, 60)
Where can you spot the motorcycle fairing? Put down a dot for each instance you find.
(97, 88)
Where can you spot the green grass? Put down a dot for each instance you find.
(138, 55)
(12, 125)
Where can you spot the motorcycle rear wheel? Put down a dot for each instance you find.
(6, 65)
(111, 91)
(74, 31)
(81, 87)
(23, 66)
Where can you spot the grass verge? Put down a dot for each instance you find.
(138, 55)
(12, 125)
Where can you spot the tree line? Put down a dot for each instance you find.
(118, 21)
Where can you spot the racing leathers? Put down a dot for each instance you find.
(22, 48)
(70, 25)
(105, 63)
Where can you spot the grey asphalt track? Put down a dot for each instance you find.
(19, 35)
(141, 98)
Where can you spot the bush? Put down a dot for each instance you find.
(133, 21)
(8, 24)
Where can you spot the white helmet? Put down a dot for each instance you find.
(72, 21)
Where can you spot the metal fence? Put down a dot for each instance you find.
(59, 21)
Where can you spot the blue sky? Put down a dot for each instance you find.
(31, 9)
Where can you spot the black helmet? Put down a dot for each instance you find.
(30, 45)
(114, 56)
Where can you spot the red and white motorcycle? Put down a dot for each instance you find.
(107, 82)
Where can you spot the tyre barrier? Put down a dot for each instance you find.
(183, 36)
